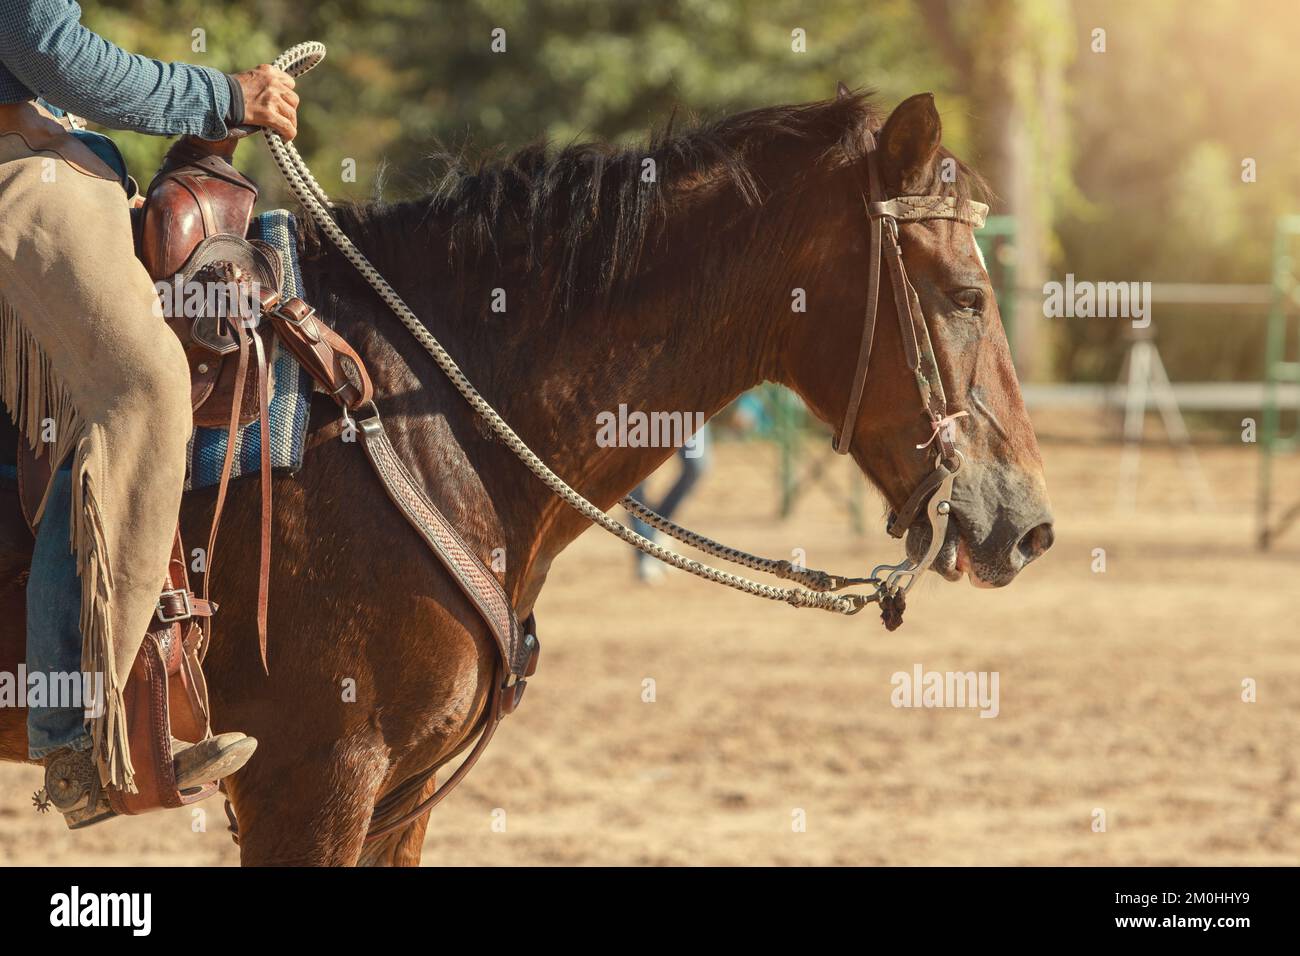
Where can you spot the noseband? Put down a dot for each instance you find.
(884, 216)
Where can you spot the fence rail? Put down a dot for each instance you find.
(1196, 396)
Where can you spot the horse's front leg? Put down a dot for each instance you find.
(308, 807)
(389, 689)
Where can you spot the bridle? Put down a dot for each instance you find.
(883, 219)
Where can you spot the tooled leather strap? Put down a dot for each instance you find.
(475, 580)
(917, 208)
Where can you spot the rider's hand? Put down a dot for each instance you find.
(269, 100)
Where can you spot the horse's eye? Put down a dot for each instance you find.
(969, 300)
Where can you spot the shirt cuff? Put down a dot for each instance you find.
(214, 123)
(235, 115)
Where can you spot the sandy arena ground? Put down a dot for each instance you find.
(1119, 691)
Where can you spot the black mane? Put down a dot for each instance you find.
(583, 210)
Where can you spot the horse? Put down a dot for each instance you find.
(565, 282)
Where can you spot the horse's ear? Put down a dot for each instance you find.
(909, 142)
(842, 91)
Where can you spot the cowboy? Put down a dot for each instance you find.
(90, 370)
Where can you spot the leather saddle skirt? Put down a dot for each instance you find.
(245, 266)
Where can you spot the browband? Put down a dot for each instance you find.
(916, 208)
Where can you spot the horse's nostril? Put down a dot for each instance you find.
(1036, 540)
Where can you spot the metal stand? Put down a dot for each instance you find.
(797, 471)
(1145, 379)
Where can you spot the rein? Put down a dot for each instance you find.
(812, 588)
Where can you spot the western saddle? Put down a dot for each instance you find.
(190, 233)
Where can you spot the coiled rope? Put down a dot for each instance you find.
(298, 60)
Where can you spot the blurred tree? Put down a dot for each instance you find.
(1010, 58)
(404, 75)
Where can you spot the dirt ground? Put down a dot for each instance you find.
(1119, 691)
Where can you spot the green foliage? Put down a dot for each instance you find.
(403, 76)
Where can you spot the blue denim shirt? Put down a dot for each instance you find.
(45, 51)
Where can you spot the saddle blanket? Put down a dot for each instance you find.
(290, 393)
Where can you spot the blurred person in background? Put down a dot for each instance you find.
(694, 460)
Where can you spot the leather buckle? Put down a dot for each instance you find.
(305, 325)
(512, 691)
(186, 603)
(511, 694)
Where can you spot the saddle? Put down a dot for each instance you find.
(224, 303)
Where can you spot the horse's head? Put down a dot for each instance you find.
(1001, 516)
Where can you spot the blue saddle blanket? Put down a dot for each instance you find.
(291, 396)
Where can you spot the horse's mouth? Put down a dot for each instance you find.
(948, 562)
(953, 562)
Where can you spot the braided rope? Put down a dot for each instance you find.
(301, 58)
(786, 570)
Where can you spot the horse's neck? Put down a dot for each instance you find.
(690, 342)
(699, 324)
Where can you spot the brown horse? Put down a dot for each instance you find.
(660, 277)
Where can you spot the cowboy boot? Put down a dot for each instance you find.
(210, 759)
(72, 780)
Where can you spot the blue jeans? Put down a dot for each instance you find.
(54, 623)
